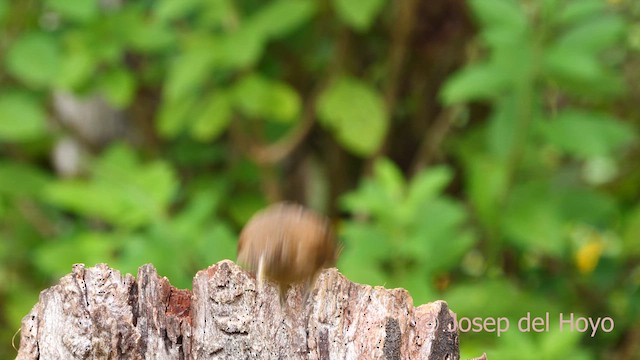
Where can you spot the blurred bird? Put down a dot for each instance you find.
(287, 243)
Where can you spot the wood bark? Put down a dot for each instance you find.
(98, 313)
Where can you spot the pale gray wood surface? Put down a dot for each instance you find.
(97, 313)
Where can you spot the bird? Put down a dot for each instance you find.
(287, 244)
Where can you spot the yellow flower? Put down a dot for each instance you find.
(588, 255)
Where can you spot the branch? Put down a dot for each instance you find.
(97, 313)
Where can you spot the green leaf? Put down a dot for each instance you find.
(199, 209)
(359, 14)
(79, 10)
(174, 116)
(57, 257)
(438, 229)
(239, 49)
(580, 72)
(121, 191)
(587, 134)
(198, 227)
(533, 221)
(244, 205)
(366, 245)
(518, 343)
(631, 232)
(515, 63)
(155, 181)
(356, 114)
(573, 65)
(3, 10)
(21, 180)
(381, 195)
(366, 200)
(189, 71)
(167, 10)
(496, 296)
(217, 242)
(92, 201)
(500, 16)
(357, 267)
(390, 179)
(213, 118)
(279, 18)
(503, 126)
(34, 59)
(398, 229)
(78, 66)
(118, 86)
(22, 118)
(486, 184)
(594, 35)
(587, 206)
(426, 185)
(581, 10)
(558, 344)
(258, 97)
(475, 82)
(149, 36)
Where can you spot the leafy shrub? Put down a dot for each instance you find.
(135, 132)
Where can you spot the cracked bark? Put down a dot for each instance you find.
(97, 313)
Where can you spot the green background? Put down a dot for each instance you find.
(484, 152)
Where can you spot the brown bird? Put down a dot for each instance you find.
(287, 243)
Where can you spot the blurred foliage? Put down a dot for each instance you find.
(482, 151)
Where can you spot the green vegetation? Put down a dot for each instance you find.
(484, 152)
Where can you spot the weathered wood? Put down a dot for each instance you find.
(96, 313)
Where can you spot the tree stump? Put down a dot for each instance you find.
(97, 313)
